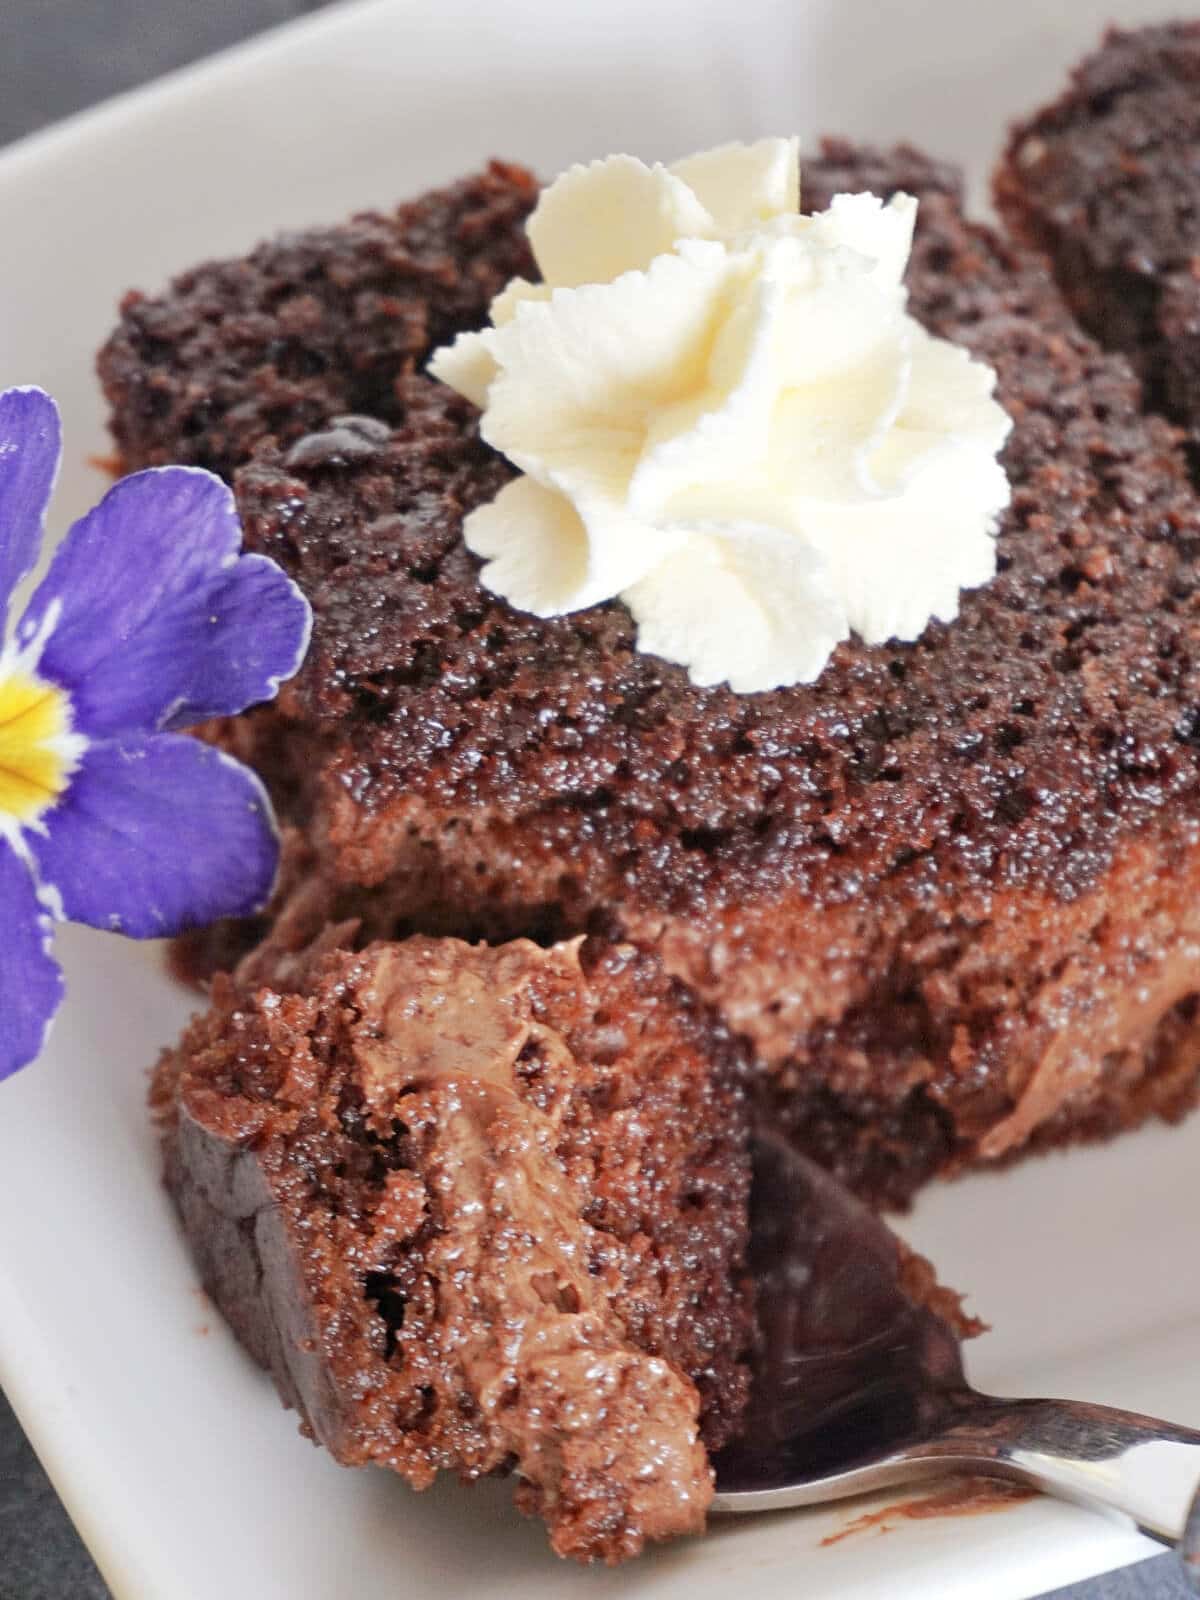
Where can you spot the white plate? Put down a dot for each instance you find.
(183, 1473)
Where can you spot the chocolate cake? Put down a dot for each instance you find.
(949, 892)
(1106, 181)
(481, 1210)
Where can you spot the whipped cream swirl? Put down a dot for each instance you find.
(724, 415)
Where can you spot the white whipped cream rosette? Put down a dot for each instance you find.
(725, 416)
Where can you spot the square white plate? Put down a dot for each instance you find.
(185, 1476)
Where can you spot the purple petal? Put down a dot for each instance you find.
(30, 446)
(160, 623)
(31, 985)
(156, 835)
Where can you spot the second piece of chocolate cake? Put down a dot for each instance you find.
(1106, 181)
(481, 1210)
(949, 892)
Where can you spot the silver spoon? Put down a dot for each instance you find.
(858, 1387)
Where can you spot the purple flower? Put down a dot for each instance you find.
(147, 621)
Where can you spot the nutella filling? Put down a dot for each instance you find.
(523, 1285)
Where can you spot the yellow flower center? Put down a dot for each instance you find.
(37, 749)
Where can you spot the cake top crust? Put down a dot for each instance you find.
(1105, 158)
(1016, 743)
(1106, 180)
(309, 323)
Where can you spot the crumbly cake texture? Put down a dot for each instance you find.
(949, 892)
(310, 324)
(1106, 181)
(479, 1210)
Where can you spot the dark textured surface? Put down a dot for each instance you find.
(58, 56)
(310, 324)
(1159, 1578)
(41, 1557)
(1107, 181)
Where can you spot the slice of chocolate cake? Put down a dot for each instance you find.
(1106, 181)
(949, 892)
(481, 1210)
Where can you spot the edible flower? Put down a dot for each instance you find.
(724, 415)
(147, 621)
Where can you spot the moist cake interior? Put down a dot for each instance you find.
(481, 1210)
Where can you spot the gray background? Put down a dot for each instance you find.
(57, 56)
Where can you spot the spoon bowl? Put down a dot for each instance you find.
(859, 1383)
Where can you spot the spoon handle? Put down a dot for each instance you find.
(1138, 1465)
